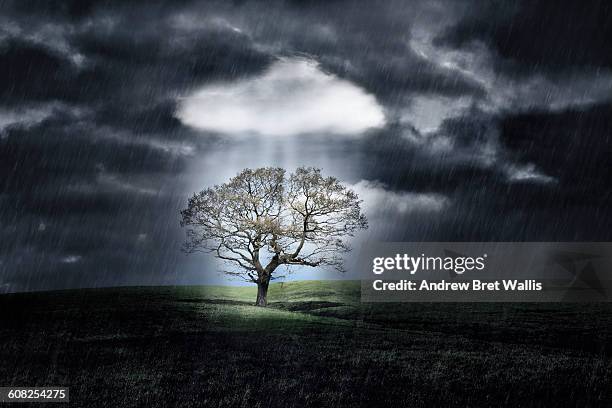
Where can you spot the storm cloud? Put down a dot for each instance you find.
(455, 120)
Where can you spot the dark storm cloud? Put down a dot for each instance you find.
(123, 59)
(368, 45)
(574, 145)
(92, 162)
(403, 164)
(501, 109)
(32, 72)
(56, 147)
(538, 35)
(532, 176)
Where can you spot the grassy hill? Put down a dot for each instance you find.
(315, 345)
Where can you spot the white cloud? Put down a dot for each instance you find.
(25, 117)
(427, 113)
(378, 200)
(71, 259)
(294, 96)
(527, 173)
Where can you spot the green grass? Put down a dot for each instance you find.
(315, 345)
(302, 291)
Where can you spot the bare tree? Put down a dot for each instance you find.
(261, 220)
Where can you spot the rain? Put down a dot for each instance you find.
(453, 120)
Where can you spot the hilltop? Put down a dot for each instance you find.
(315, 345)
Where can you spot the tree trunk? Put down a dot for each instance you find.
(262, 294)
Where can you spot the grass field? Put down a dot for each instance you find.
(315, 345)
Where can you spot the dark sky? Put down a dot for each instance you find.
(458, 120)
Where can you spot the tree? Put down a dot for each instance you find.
(261, 220)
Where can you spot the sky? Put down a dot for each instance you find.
(453, 120)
